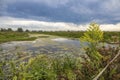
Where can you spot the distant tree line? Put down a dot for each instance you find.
(11, 30)
(108, 36)
(17, 30)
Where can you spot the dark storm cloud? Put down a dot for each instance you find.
(76, 11)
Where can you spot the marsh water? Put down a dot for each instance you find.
(15, 50)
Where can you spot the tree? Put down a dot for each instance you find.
(20, 30)
(9, 29)
(3, 30)
(27, 30)
(92, 37)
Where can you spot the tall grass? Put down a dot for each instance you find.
(14, 36)
(65, 67)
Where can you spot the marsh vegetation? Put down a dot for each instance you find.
(55, 58)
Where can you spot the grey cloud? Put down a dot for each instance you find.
(76, 11)
(8, 22)
(52, 3)
(111, 5)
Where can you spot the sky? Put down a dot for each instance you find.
(60, 14)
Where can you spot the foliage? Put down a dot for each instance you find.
(70, 34)
(93, 34)
(44, 67)
(14, 36)
(108, 36)
(65, 67)
(20, 30)
(92, 37)
(98, 58)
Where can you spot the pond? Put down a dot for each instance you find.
(18, 49)
(15, 49)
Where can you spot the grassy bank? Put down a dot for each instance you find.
(15, 36)
(108, 36)
(76, 34)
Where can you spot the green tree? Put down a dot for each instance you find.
(20, 30)
(9, 29)
(3, 30)
(27, 30)
(92, 37)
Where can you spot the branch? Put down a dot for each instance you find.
(96, 78)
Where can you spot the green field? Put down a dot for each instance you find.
(108, 36)
(15, 36)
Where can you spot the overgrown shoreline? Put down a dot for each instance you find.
(67, 67)
(15, 36)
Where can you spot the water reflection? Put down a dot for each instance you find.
(15, 49)
(68, 41)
